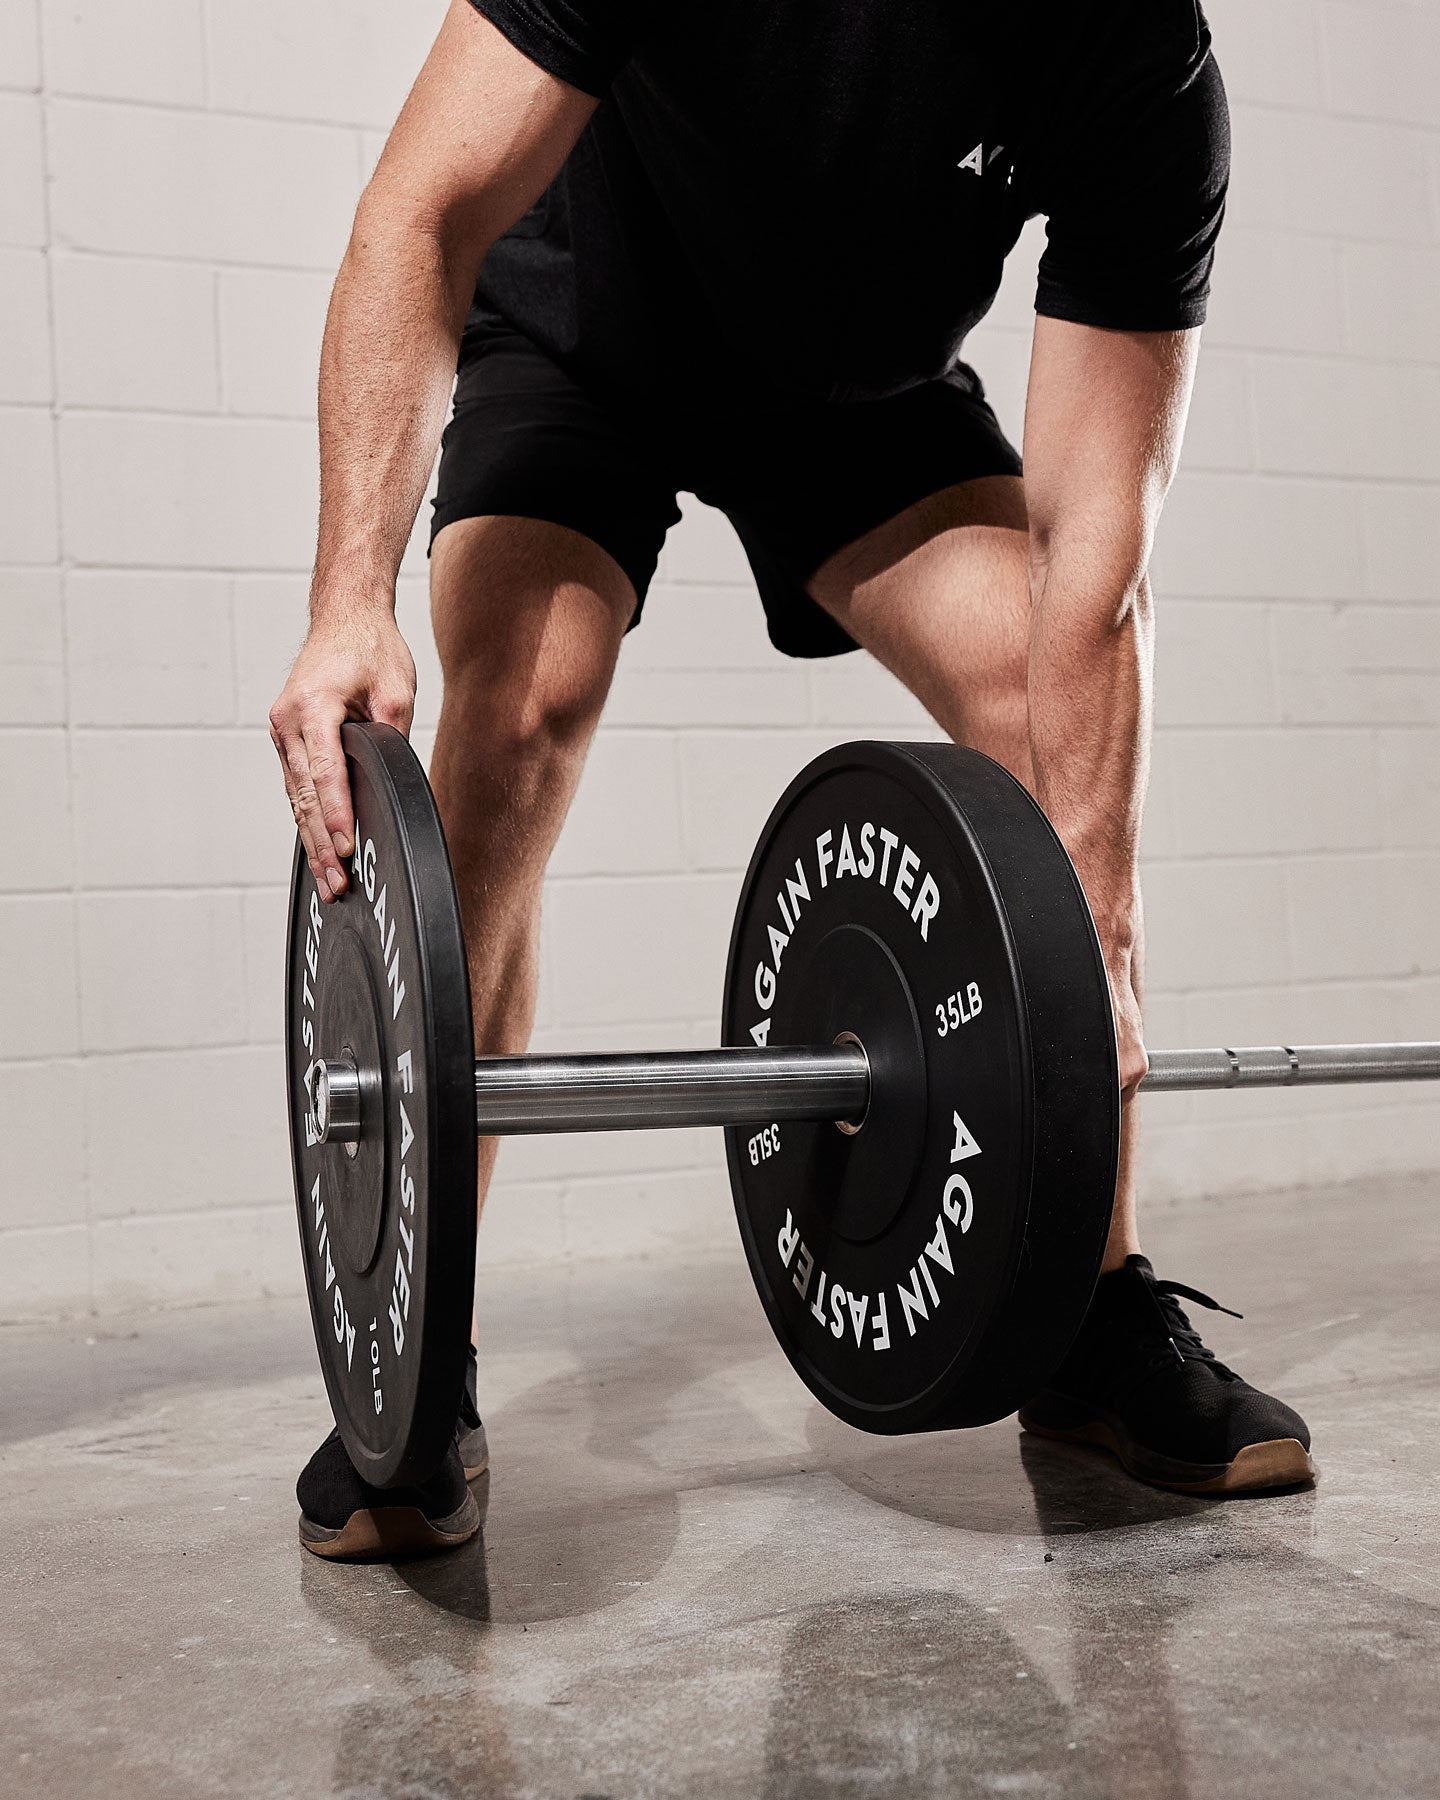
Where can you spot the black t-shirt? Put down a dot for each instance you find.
(815, 197)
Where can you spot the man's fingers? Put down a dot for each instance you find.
(334, 679)
(296, 811)
(310, 817)
(1134, 1061)
(331, 782)
(309, 813)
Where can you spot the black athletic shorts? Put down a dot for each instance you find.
(797, 480)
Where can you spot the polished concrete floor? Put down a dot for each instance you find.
(692, 1581)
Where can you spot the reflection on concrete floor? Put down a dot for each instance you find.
(694, 1581)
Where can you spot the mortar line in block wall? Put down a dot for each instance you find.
(1389, 603)
(1324, 54)
(1328, 113)
(1283, 729)
(272, 889)
(143, 1053)
(206, 109)
(87, 1194)
(187, 415)
(1355, 478)
(206, 85)
(1332, 359)
(222, 409)
(1368, 361)
(283, 1208)
(1385, 988)
(1330, 860)
(232, 611)
(1323, 359)
(183, 415)
(1432, 182)
(224, 265)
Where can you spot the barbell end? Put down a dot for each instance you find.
(333, 1084)
(1285, 1065)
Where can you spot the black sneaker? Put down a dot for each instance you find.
(1139, 1382)
(343, 1517)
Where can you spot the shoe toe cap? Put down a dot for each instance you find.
(1260, 1418)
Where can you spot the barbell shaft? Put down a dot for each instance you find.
(518, 1095)
(650, 1090)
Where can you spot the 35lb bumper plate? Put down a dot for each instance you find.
(377, 983)
(927, 1266)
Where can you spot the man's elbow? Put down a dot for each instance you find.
(399, 225)
(1100, 576)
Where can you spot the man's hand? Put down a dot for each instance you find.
(1123, 968)
(348, 668)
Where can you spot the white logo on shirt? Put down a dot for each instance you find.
(977, 161)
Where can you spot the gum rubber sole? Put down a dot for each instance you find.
(381, 1533)
(1257, 1469)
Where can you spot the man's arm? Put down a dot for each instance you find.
(1103, 423)
(482, 135)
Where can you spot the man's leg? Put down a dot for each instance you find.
(528, 621)
(940, 595)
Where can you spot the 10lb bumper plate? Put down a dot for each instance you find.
(378, 980)
(928, 1266)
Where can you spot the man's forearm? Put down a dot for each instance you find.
(386, 369)
(1090, 708)
(1104, 418)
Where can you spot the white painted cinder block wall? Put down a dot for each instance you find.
(176, 180)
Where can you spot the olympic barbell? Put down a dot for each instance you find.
(652, 1090)
(914, 993)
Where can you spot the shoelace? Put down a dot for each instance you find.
(1184, 1340)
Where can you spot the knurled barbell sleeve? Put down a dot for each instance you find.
(1300, 1065)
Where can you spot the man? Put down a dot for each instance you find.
(735, 249)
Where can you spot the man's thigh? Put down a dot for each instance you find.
(940, 595)
(526, 605)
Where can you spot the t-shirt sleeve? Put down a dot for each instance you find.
(1132, 168)
(583, 42)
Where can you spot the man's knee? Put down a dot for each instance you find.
(509, 756)
(528, 623)
(540, 709)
